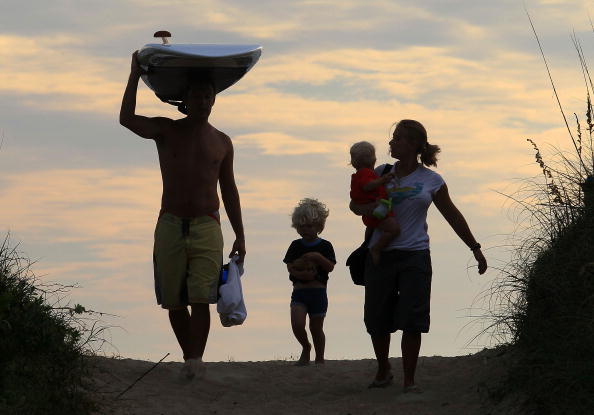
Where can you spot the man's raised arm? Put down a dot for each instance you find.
(143, 126)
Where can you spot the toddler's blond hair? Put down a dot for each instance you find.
(310, 211)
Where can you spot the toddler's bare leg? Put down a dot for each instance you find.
(298, 317)
(316, 326)
(390, 230)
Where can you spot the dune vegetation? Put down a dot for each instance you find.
(42, 343)
(543, 302)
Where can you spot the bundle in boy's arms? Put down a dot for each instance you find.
(303, 269)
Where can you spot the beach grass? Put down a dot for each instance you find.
(42, 344)
(543, 302)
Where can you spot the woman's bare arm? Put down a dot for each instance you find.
(454, 217)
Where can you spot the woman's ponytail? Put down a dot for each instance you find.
(429, 154)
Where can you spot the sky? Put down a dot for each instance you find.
(80, 194)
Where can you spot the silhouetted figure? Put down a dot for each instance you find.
(194, 157)
(398, 286)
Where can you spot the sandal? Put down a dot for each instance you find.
(381, 383)
(412, 389)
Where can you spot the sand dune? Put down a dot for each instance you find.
(452, 385)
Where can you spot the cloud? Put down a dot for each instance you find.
(271, 195)
(279, 143)
(80, 205)
(219, 15)
(94, 206)
(41, 69)
(485, 199)
(422, 82)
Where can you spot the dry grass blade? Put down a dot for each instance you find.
(551, 79)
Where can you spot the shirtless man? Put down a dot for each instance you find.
(193, 156)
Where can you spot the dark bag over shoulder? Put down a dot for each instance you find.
(357, 258)
(356, 264)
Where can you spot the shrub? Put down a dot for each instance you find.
(543, 303)
(554, 323)
(41, 351)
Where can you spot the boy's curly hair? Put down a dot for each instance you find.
(310, 211)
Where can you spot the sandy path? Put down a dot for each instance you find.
(452, 385)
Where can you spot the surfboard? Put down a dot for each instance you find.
(169, 67)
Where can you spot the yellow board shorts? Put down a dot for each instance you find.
(187, 259)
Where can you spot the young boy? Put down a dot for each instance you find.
(309, 295)
(368, 187)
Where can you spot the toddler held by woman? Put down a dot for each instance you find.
(368, 187)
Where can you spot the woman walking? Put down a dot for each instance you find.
(398, 287)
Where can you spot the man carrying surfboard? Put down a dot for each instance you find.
(194, 157)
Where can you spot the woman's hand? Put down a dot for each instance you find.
(387, 177)
(362, 209)
(482, 261)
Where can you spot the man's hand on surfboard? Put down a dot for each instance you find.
(134, 66)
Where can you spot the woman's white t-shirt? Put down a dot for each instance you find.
(411, 197)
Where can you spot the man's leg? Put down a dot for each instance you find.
(191, 331)
(298, 317)
(170, 264)
(205, 252)
(316, 326)
(410, 345)
(199, 325)
(180, 323)
(381, 347)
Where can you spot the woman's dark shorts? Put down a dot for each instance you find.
(398, 292)
(314, 300)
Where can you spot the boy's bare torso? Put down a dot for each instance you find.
(190, 159)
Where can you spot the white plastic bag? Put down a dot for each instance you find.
(231, 307)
